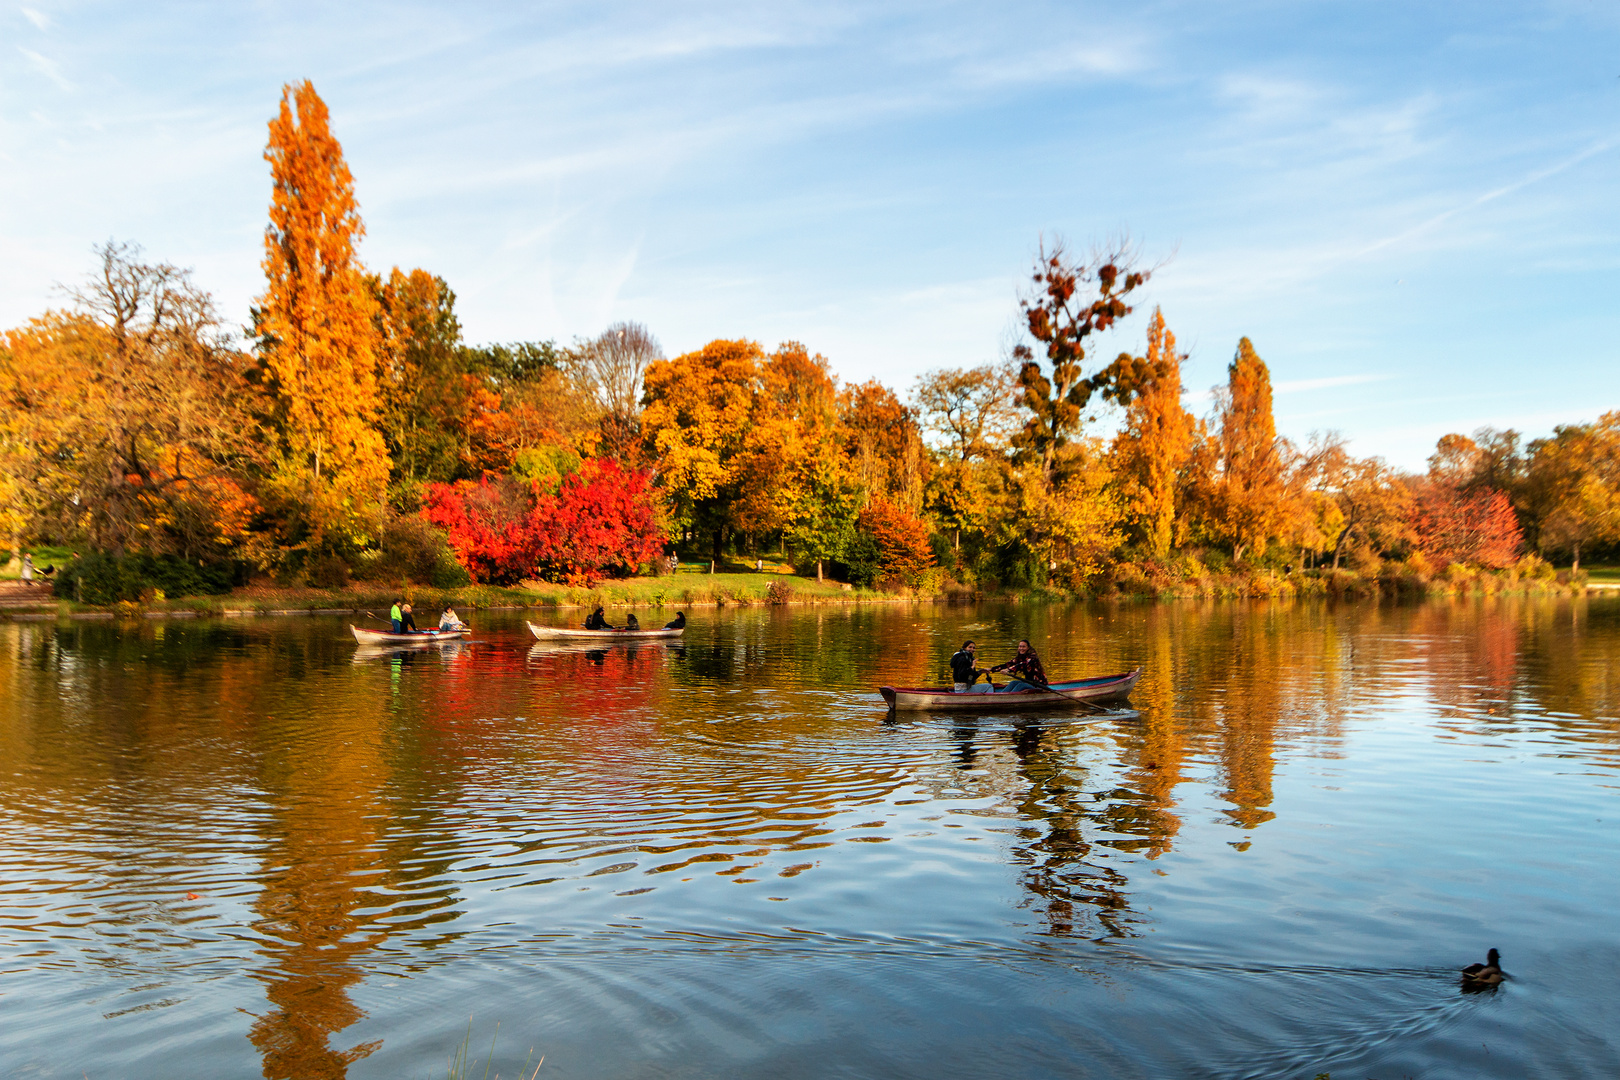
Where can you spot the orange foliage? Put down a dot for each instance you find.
(902, 541)
(1156, 441)
(318, 341)
(1457, 526)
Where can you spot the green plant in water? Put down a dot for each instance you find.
(462, 1067)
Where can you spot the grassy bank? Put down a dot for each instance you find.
(668, 593)
(693, 587)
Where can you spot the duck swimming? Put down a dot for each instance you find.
(1487, 974)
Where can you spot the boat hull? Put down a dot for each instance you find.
(424, 637)
(1075, 694)
(568, 633)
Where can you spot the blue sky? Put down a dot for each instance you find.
(1409, 208)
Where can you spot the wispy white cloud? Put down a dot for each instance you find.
(46, 66)
(40, 20)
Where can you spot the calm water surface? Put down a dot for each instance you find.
(243, 848)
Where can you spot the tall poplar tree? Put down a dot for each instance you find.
(317, 336)
(1252, 496)
(1156, 441)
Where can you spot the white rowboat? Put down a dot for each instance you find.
(552, 633)
(421, 637)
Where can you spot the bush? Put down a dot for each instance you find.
(327, 571)
(862, 559)
(106, 579)
(412, 549)
(902, 541)
(778, 592)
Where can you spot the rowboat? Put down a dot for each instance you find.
(1057, 695)
(550, 633)
(421, 637)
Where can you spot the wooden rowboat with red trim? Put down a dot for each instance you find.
(420, 637)
(1058, 695)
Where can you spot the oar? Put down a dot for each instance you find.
(1049, 688)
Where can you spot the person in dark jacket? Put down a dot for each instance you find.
(407, 621)
(1026, 666)
(598, 621)
(677, 623)
(963, 672)
(632, 623)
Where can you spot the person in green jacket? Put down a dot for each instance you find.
(395, 617)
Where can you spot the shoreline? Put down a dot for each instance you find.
(721, 591)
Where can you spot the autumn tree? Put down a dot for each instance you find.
(430, 395)
(970, 416)
(899, 540)
(317, 336)
(798, 461)
(1374, 501)
(128, 416)
(1156, 441)
(1573, 486)
(696, 422)
(1249, 493)
(1453, 525)
(1071, 301)
(884, 444)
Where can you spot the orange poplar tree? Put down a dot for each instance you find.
(1157, 441)
(318, 340)
(1251, 486)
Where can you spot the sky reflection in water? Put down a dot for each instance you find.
(719, 858)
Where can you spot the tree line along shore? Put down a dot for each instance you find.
(349, 442)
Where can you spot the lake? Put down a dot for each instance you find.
(250, 847)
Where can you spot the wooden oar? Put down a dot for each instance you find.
(1049, 688)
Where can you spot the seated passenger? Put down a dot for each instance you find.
(407, 621)
(1025, 666)
(677, 623)
(598, 621)
(632, 623)
(964, 675)
(450, 620)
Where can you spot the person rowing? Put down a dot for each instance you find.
(407, 621)
(965, 675)
(1025, 667)
(598, 621)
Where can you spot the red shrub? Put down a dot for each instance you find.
(1475, 527)
(601, 520)
(489, 529)
(902, 541)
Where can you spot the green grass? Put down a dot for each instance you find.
(1609, 575)
(44, 558)
(667, 594)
